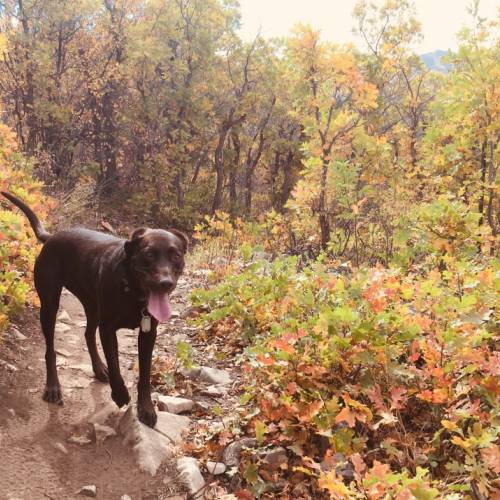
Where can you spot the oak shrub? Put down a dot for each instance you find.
(18, 247)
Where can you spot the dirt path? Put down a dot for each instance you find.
(36, 460)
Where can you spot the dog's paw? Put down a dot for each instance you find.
(147, 414)
(101, 373)
(53, 394)
(120, 396)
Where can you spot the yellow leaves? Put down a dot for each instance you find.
(334, 485)
(451, 426)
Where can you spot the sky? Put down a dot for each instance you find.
(440, 19)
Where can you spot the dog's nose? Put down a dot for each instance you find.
(166, 284)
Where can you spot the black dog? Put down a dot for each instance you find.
(121, 284)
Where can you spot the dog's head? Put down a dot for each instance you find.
(156, 259)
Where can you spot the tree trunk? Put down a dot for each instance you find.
(219, 169)
(324, 223)
(286, 188)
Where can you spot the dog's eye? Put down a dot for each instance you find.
(175, 256)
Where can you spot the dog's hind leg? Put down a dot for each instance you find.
(100, 369)
(49, 291)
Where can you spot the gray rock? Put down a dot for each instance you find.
(215, 390)
(150, 447)
(81, 440)
(214, 376)
(87, 369)
(216, 468)
(173, 404)
(232, 452)
(171, 426)
(191, 476)
(89, 491)
(102, 432)
(64, 317)
(192, 373)
(62, 327)
(63, 352)
(61, 448)
(102, 415)
(17, 334)
(10, 367)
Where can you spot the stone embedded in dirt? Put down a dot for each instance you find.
(62, 327)
(81, 440)
(191, 476)
(87, 369)
(150, 446)
(63, 352)
(215, 390)
(191, 373)
(76, 382)
(11, 412)
(214, 376)
(9, 366)
(102, 415)
(171, 426)
(17, 334)
(125, 497)
(102, 432)
(202, 407)
(64, 317)
(80, 324)
(89, 491)
(232, 452)
(173, 404)
(216, 468)
(61, 448)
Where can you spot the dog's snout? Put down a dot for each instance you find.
(166, 284)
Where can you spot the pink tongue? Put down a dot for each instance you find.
(159, 306)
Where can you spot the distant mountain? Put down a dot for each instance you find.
(433, 60)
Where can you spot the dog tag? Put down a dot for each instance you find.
(146, 324)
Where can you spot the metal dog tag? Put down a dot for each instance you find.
(146, 323)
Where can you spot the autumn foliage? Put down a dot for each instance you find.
(345, 198)
(17, 242)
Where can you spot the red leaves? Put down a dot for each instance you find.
(398, 398)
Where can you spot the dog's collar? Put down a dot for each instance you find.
(129, 286)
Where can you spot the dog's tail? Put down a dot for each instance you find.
(39, 230)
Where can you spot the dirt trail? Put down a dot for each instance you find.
(33, 466)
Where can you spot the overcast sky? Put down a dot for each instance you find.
(440, 19)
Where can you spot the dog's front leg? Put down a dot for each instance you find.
(119, 392)
(145, 408)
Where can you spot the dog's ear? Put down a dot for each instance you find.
(184, 239)
(135, 238)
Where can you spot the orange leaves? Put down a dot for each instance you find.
(436, 396)
(309, 410)
(491, 457)
(354, 410)
(346, 415)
